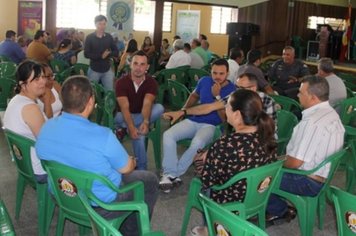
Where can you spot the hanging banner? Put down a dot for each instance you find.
(120, 17)
(188, 24)
(29, 18)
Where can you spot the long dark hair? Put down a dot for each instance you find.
(24, 71)
(250, 106)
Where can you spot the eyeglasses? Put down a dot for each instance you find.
(50, 76)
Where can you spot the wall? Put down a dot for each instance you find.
(8, 13)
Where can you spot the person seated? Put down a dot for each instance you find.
(22, 41)
(50, 102)
(318, 135)
(136, 93)
(165, 54)
(11, 49)
(149, 48)
(130, 49)
(196, 47)
(200, 129)
(23, 116)
(205, 45)
(71, 139)
(251, 145)
(196, 61)
(253, 62)
(37, 49)
(236, 57)
(179, 56)
(65, 53)
(287, 73)
(337, 87)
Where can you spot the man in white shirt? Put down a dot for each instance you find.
(179, 57)
(236, 58)
(318, 135)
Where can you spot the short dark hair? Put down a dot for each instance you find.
(251, 77)
(165, 40)
(318, 86)
(10, 33)
(253, 55)
(75, 94)
(197, 42)
(39, 34)
(176, 37)
(326, 65)
(203, 36)
(235, 53)
(99, 18)
(140, 53)
(187, 46)
(221, 62)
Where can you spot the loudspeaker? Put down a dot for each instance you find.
(241, 28)
(241, 41)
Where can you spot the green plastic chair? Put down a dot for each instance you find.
(220, 220)
(308, 207)
(286, 121)
(347, 110)
(66, 182)
(7, 69)
(80, 69)
(350, 85)
(287, 103)
(155, 130)
(345, 209)
(178, 94)
(346, 76)
(99, 93)
(350, 162)
(178, 74)
(6, 226)
(349, 93)
(63, 75)
(4, 58)
(20, 147)
(58, 65)
(259, 181)
(194, 75)
(7, 86)
(101, 226)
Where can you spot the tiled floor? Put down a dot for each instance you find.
(168, 212)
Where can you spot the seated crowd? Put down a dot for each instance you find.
(56, 116)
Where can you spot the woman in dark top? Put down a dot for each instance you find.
(251, 145)
(65, 52)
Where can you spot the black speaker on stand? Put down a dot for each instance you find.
(240, 35)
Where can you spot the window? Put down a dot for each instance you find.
(167, 17)
(336, 24)
(68, 15)
(220, 16)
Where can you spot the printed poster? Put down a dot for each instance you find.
(29, 18)
(188, 24)
(120, 17)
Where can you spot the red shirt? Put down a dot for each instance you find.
(125, 88)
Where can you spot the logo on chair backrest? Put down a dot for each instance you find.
(220, 230)
(264, 185)
(67, 187)
(351, 220)
(17, 152)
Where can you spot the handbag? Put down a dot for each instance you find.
(199, 161)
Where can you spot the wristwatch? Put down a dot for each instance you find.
(218, 97)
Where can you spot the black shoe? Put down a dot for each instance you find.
(290, 214)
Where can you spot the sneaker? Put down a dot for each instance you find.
(176, 181)
(121, 133)
(166, 184)
(199, 231)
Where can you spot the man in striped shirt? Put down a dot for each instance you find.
(318, 135)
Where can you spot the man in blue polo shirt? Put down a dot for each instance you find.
(11, 49)
(73, 140)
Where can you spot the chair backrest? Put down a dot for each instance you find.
(178, 94)
(80, 69)
(178, 74)
(7, 86)
(345, 209)
(65, 184)
(287, 103)
(221, 221)
(7, 69)
(99, 93)
(100, 226)
(259, 183)
(58, 65)
(194, 75)
(4, 58)
(347, 110)
(63, 75)
(6, 227)
(109, 110)
(20, 149)
(286, 121)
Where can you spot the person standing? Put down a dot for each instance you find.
(99, 48)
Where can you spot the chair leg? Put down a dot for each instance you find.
(321, 208)
(20, 189)
(41, 208)
(84, 230)
(60, 223)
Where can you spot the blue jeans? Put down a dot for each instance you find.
(150, 183)
(138, 145)
(201, 135)
(295, 184)
(106, 78)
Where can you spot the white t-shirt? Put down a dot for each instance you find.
(233, 69)
(179, 58)
(56, 106)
